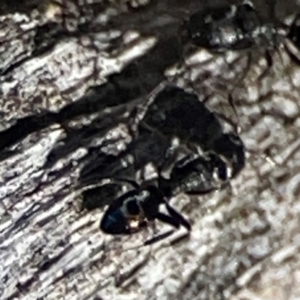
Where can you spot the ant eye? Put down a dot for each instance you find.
(132, 208)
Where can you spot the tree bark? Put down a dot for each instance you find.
(71, 76)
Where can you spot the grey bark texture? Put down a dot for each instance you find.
(71, 76)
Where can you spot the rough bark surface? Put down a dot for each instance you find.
(71, 77)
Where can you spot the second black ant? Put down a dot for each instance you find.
(174, 113)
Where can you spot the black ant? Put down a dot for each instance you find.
(177, 113)
(197, 175)
(241, 28)
(173, 113)
(133, 211)
(227, 27)
(136, 209)
(237, 27)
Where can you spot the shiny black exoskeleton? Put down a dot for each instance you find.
(173, 113)
(177, 113)
(228, 27)
(239, 27)
(133, 211)
(197, 175)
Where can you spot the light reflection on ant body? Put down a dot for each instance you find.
(172, 113)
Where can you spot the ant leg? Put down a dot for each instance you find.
(232, 90)
(133, 183)
(165, 219)
(159, 237)
(181, 163)
(156, 238)
(269, 60)
(235, 125)
(172, 157)
(143, 107)
(178, 217)
(175, 220)
(172, 153)
(272, 5)
(168, 219)
(295, 58)
(118, 180)
(244, 74)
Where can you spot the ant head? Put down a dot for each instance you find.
(131, 212)
(225, 27)
(200, 25)
(232, 148)
(125, 215)
(114, 222)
